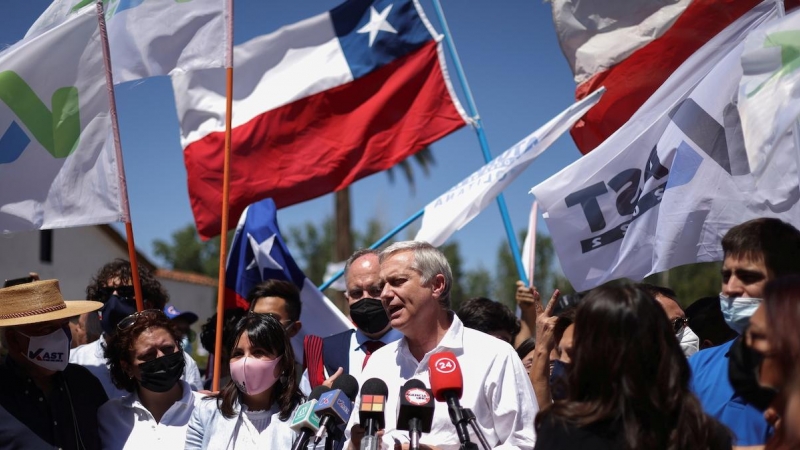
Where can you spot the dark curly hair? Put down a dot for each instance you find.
(266, 332)
(118, 347)
(152, 291)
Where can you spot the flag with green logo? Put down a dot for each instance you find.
(769, 93)
(153, 37)
(54, 120)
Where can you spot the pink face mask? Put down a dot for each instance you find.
(254, 376)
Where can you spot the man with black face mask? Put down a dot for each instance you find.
(755, 252)
(45, 402)
(113, 287)
(352, 349)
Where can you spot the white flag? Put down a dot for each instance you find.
(464, 201)
(770, 88)
(156, 37)
(54, 117)
(663, 190)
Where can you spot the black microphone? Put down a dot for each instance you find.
(371, 411)
(305, 420)
(335, 407)
(415, 410)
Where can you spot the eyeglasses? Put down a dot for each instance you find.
(122, 291)
(372, 292)
(130, 320)
(678, 324)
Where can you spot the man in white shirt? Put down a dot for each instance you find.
(112, 286)
(417, 281)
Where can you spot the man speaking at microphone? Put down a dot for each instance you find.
(416, 281)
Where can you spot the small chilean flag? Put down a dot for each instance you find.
(317, 105)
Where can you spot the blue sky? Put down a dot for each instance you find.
(512, 61)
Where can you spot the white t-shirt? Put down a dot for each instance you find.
(126, 424)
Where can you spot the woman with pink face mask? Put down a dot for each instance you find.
(252, 410)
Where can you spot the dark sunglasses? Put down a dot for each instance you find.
(679, 323)
(131, 320)
(122, 291)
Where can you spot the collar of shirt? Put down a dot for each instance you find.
(187, 398)
(453, 340)
(390, 336)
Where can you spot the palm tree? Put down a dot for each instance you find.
(344, 233)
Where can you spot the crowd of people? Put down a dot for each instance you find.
(622, 366)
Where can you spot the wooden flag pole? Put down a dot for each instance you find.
(226, 175)
(123, 184)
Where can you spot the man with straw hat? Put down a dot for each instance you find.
(45, 402)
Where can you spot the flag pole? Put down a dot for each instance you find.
(532, 223)
(123, 184)
(377, 244)
(226, 175)
(487, 156)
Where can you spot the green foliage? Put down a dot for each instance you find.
(690, 282)
(186, 252)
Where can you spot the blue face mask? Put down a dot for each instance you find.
(737, 311)
(558, 380)
(114, 310)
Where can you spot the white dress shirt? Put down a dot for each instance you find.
(357, 355)
(209, 429)
(91, 356)
(496, 388)
(126, 424)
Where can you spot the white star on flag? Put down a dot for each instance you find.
(377, 22)
(261, 252)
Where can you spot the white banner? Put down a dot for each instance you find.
(155, 37)
(663, 190)
(54, 118)
(770, 87)
(464, 201)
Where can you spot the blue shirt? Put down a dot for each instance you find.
(711, 385)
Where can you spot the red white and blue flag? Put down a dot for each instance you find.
(258, 253)
(317, 105)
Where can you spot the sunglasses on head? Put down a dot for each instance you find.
(131, 320)
(122, 291)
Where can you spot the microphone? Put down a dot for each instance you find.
(335, 406)
(371, 412)
(447, 384)
(415, 410)
(305, 420)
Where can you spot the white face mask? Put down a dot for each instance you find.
(737, 311)
(50, 351)
(690, 342)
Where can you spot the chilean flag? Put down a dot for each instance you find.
(631, 48)
(258, 253)
(317, 105)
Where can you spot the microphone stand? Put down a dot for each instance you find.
(460, 422)
(469, 416)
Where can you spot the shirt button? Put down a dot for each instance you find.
(26, 392)
(41, 399)
(55, 422)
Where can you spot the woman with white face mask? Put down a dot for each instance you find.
(252, 410)
(145, 359)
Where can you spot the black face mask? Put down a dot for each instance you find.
(369, 315)
(114, 310)
(161, 374)
(743, 366)
(558, 380)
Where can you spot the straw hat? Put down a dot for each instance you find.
(39, 301)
